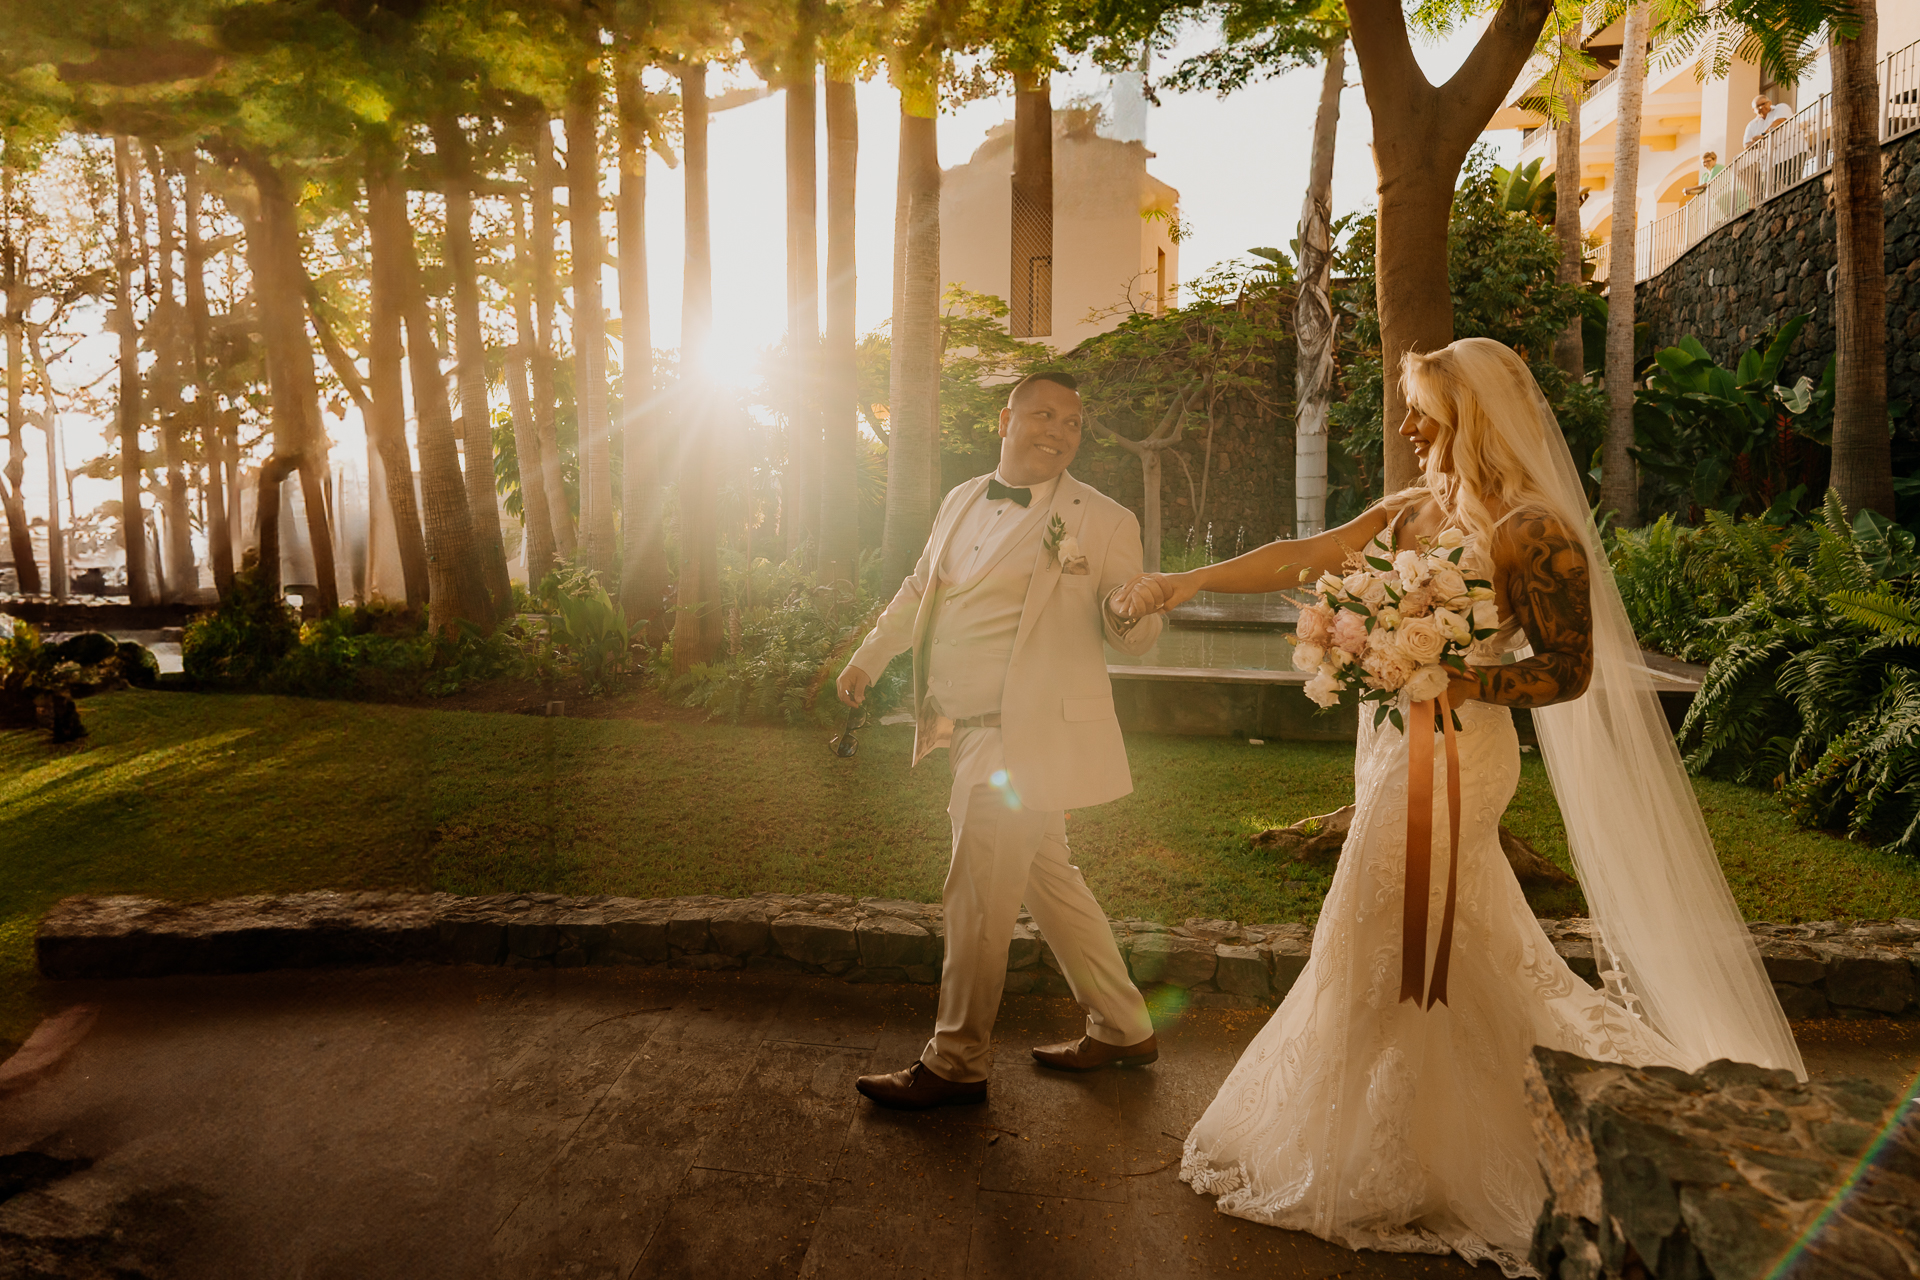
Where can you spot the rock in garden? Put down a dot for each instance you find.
(1024, 949)
(1657, 1172)
(1530, 868)
(740, 929)
(1314, 842)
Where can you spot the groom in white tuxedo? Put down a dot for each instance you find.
(1006, 614)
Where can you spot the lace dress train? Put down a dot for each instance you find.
(1375, 1124)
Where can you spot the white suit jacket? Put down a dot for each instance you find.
(1061, 736)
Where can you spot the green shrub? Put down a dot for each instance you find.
(1813, 685)
(788, 640)
(369, 651)
(1734, 440)
(240, 642)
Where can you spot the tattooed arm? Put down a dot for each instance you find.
(1542, 573)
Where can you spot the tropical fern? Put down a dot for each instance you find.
(1881, 610)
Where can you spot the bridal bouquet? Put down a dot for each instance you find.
(1399, 626)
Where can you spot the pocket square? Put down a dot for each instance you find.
(1072, 559)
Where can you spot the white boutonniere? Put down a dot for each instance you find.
(1065, 548)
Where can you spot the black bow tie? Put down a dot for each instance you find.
(996, 491)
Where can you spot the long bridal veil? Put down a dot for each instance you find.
(1671, 944)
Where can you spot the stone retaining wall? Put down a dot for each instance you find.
(1820, 969)
(1766, 266)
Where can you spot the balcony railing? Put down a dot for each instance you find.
(1778, 161)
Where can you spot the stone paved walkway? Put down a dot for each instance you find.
(611, 1123)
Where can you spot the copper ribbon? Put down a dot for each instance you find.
(1413, 920)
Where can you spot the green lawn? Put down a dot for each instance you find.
(191, 796)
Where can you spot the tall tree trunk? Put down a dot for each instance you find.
(470, 353)
(589, 322)
(199, 330)
(802, 489)
(273, 254)
(132, 512)
(1030, 272)
(913, 429)
(183, 573)
(546, 306)
(1862, 449)
(12, 272)
(1570, 348)
(1313, 310)
(1421, 134)
(458, 589)
(388, 234)
(1619, 476)
(696, 628)
(534, 515)
(644, 573)
(840, 460)
(50, 420)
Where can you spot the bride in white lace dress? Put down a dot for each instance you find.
(1380, 1124)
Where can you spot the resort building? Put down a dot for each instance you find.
(1681, 194)
(1113, 245)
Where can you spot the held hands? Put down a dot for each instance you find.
(1152, 593)
(852, 685)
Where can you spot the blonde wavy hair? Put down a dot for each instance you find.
(1491, 414)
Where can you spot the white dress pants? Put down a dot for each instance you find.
(1004, 853)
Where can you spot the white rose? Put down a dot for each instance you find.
(1324, 689)
(1427, 682)
(1387, 616)
(1420, 640)
(1408, 564)
(1375, 593)
(1308, 657)
(1453, 626)
(1486, 615)
(1450, 537)
(1448, 584)
(1356, 582)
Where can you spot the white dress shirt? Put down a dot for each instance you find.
(984, 529)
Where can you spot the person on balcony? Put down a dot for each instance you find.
(1766, 118)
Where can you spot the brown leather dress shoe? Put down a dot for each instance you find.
(1088, 1054)
(918, 1088)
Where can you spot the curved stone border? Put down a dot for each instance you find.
(1819, 969)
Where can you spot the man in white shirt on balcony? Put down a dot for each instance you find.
(1765, 117)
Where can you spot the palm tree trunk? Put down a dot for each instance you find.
(273, 253)
(470, 354)
(1619, 476)
(212, 435)
(1570, 348)
(696, 630)
(534, 515)
(56, 538)
(183, 574)
(1313, 310)
(132, 521)
(457, 588)
(644, 574)
(546, 306)
(590, 321)
(800, 507)
(1862, 449)
(913, 429)
(840, 460)
(387, 422)
(19, 535)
